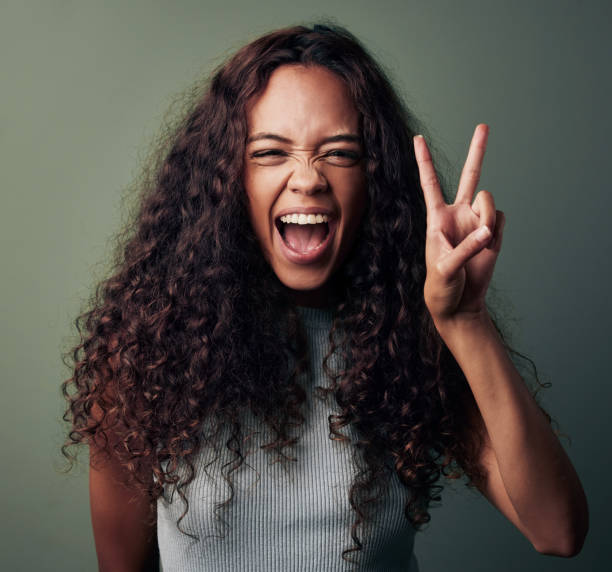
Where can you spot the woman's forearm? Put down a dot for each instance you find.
(538, 476)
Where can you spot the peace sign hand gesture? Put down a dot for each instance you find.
(460, 254)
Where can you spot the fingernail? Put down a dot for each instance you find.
(418, 135)
(483, 233)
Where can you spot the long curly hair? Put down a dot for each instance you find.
(186, 328)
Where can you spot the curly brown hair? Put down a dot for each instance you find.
(186, 329)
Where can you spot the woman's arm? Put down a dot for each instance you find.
(124, 540)
(530, 479)
(122, 519)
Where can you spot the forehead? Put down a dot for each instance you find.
(303, 104)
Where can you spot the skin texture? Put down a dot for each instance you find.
(304, 106)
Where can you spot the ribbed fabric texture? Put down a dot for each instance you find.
(296, 518)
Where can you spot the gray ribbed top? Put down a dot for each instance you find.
(289, 519)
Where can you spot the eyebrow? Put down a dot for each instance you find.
(347, 137)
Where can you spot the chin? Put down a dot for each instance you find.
(307, 290)
(303, 285)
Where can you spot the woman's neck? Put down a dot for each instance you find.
(320, 298)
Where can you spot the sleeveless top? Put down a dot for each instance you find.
(285, 518)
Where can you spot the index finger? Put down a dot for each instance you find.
(429, 180)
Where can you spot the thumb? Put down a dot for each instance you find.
(473, 243)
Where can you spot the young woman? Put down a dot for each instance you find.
(295, 344)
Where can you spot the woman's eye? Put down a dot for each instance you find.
(342, 157)
(268, 153)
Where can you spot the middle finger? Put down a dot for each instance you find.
(473, 165)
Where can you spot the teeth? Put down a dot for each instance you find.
(301, 218)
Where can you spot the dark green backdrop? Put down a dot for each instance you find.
(84, 86)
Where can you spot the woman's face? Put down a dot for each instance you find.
(304, 177)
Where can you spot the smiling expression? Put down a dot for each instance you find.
(304, 156)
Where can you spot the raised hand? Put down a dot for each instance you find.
(460, 253)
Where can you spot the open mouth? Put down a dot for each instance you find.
(303, 238)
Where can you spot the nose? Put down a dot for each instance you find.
(307, 179)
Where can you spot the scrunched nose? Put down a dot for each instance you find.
(307, 179)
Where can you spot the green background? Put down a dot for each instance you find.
(84, 86)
